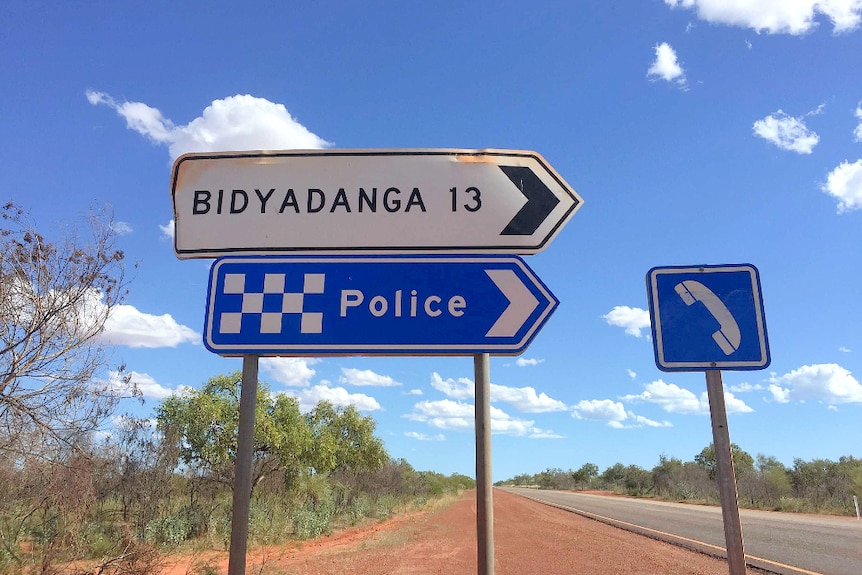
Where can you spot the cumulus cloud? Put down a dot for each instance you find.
(674, 399)
(169, 230)
(459, 416)
(666, 66)
(128, 326)
(857, 133)
(744, 387)
(290, 371)
(524, 399)
(604, 409)
(424, 437)
(632, 374)
(240, 122)
(147, 386)
(829, 383)
(844, 183)
(462, 388)
(786, 132)
(121, 228)
(524, 362)
(633, 319)
(366, 377)
(777, 16)
(338, 396)
(614, 413)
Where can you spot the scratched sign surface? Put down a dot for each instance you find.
(367, 201)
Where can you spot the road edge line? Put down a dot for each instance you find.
(766, 565)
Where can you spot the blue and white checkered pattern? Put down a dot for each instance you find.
(273, 288)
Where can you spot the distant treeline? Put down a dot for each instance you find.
(819, 485)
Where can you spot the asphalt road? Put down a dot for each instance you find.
(787, 543)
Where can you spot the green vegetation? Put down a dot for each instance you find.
(816, 486)
(152, 488)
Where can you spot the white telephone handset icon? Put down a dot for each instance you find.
(728, 336)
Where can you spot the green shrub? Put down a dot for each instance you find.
(359, 508)
(312, 521)
(171, 530)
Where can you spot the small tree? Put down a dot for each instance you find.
(54, 301)
(204, 424)
(586, 474)
(743, 462)
(344, 440)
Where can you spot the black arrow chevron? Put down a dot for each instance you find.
(540, 201)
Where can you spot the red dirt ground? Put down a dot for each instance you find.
(529, 538)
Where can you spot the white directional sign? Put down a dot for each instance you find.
(367, 201)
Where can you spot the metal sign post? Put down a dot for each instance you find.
(484, 494)
(726, 475)
(242, 477)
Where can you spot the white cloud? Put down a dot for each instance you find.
(537, 433)
(744, 388)
(424, 437)
(604, 409)
(463, 388)
(240, 122)
(614, 413)
(146, 384)
(786, 132)
(128, 326)
(457, 415)
(666, 66)
(829, 383)
(845, 184)
(674, 399)
(844, 349)
(633, 319)
(857, 133)
(524, 399)
(290, 371)
(632, 374)
(168, 230)
(776, 16)
(443, 414)
(338, 396)
(366, 377)
(524, 362)
(121, 228)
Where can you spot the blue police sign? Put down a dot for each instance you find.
(707, 318)
(374, 305)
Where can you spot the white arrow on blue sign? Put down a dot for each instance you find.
(374, 305)
(707, 318)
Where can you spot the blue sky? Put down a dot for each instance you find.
(697, 132)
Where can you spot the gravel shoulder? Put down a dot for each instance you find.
(529, 538)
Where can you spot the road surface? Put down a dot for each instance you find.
(790, 543)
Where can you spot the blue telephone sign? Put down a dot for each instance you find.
(707, 318)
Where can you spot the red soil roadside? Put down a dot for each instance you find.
(529, 538)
